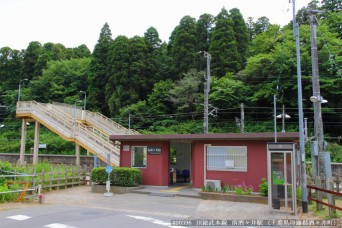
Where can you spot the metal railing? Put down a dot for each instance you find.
(98, 120)
(72, 130)
(11, 179)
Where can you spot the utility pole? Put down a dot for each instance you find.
(300, 113)
(275, 117)
(323, 163)
(242, 118)
(206, 93)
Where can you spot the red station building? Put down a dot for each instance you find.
(230, 158)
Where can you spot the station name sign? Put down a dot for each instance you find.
(154, 150)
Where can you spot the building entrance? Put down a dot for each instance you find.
(180, 162)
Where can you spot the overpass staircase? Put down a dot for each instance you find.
(90, 130)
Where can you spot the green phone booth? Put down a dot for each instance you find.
(281, 170)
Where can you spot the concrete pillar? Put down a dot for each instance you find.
(77, 149)
(23, 142)
(36, 143)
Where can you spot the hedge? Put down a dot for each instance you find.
(120, 176)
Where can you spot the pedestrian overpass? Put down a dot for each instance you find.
(90, 130)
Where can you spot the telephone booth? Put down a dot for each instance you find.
(281, 172)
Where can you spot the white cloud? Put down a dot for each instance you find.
(76, 22)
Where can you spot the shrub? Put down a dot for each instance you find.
(225, 188)
(120, 176)
(8, 197)
(263, 187)
(99, 175)
(127, 177)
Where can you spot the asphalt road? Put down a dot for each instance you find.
(61, 216)
(78, 207)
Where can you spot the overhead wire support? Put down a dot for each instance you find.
(206, 92)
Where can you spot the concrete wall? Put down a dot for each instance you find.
(52, 158)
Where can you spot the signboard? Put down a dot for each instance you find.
(42, 146)
(154, 150)
(109, 169)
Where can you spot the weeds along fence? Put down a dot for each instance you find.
(60, 177)
(15, 184)
(321, 188)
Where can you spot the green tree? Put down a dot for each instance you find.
(203, 35)
(61, 81)
(80, 52)
(156, 59)
(223, 46)
(10, 68)
(250, 28)
(227, 92)
(121, 88)
(183, 43)
(203, 31)
(187, 96)
(31, 56)
(332, 5)
(99, 71)
(241, 35)
(334, 20)
(158, 101)
(261, 25)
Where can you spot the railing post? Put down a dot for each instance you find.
(331, 197)
(318, 193)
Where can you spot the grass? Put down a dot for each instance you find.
(324, 214)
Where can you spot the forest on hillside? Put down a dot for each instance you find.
(159, 85)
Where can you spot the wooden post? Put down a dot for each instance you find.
(66, 175)
(42, 180)
(331, 197)
(58, 176)
(50, 187)
(318, 193)
(338, 182)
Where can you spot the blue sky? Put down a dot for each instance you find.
(76, 22)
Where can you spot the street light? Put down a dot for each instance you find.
(25, 79)
(75, 109)
(320, 99)
(85, 99)
(283, 116)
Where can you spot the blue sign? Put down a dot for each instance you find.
(109, 169)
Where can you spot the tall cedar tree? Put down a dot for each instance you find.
(241, 35)
(183, 46)
(127, 70)
(99, 71)
(203, 31)
(223, 46)
(153, 59)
